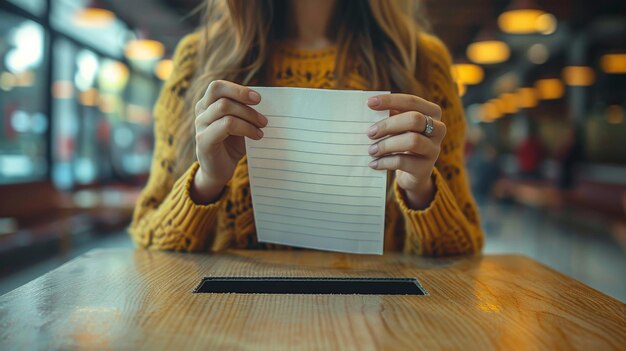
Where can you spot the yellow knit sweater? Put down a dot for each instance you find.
(166, 218)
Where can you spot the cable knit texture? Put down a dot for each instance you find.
(166, 218)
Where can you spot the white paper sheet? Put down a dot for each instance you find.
(310, 181)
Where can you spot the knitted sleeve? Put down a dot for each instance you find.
(450, 225)
(165, 217)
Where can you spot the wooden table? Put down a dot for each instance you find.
(121, 299)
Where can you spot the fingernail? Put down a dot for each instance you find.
(259, 133)
(373, 164)
(254, 96)
(373, 149)
(373, 101)
(263, 120)
(373, 130)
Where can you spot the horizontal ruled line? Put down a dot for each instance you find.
(306, 152)
(318, 119)
(315, 130)
(303, 182)
(318, 219)
(328, 174)
(317, 235)
(316, 227)
(306, 162)
(307, 210)
(315, 142)
(317, 192)
(317, 202)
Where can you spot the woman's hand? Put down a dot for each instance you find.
(407, 148)
(223, 119)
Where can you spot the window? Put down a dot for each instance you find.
(80, 114)
(100, 108)
(102, 113)
(132, 136)
(22, 100)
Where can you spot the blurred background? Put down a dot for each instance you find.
(543, 83)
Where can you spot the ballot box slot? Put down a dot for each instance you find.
(308, 285)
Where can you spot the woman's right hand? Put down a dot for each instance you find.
(223, 119)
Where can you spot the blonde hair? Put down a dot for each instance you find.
(380, 37)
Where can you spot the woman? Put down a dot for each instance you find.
(198, 195)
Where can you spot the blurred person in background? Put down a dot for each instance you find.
(198, 194)
(569, 155)
(484, 167)
(530, 155)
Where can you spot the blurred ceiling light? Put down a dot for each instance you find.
(579, 76)
(491, 111)
(461, 88)
(525, 17)
(62, 89)
(526, 97)
(113, 76)
(509, 103)
(89, 97)
(481, 114)
(613, 63)
(93, 17)
(108, 103)
(549, 88)
(519, 21)
(88, 64)
(546, 24)
(488, 52)
(468, 73)
(163, 69)
(144, 50)
(28, 39)
(538, 53)
(615, 114)
(499, 104)
(7, 81)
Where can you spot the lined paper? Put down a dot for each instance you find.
(309, 176)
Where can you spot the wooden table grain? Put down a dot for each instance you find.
(123, 299)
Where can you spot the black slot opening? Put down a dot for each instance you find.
(306, 285)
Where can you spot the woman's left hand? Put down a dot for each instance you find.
(407, 148)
